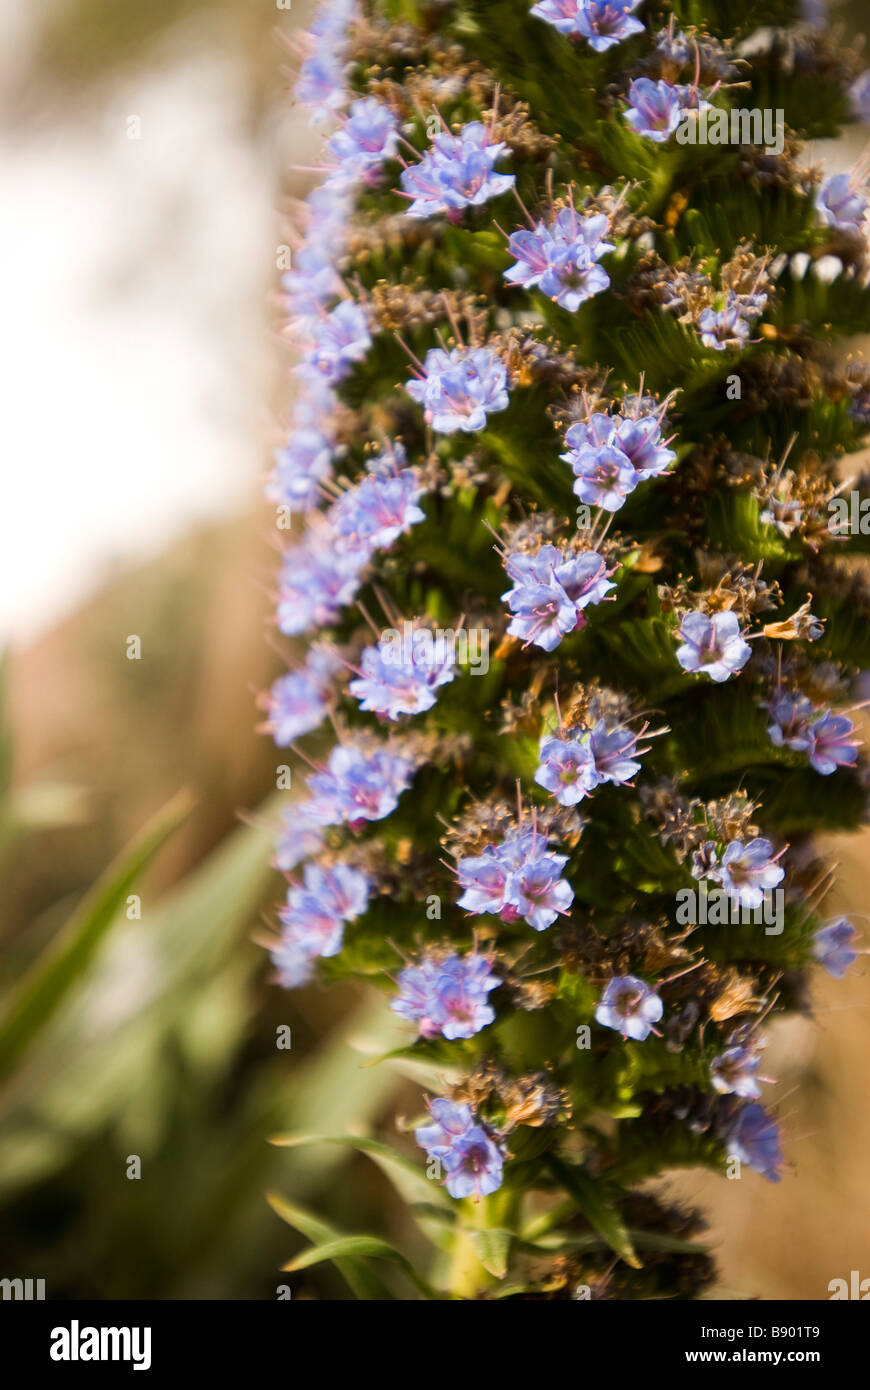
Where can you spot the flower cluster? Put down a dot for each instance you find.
(561, 258)
(552, 587)
(460, 388)
(746, 871)
(313, 919)
(571, 767)
(446, 995)
(402, 678)
(357, 786)
(464, 1149)
(603, 23)
(520, 878)
(829, 740)
(298, 702)
(611, 453)
(456, 172)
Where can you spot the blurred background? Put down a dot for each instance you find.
(145, 151)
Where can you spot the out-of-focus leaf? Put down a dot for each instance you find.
(408, 1179)
(370, 1246)
(362, 1281)
(38, 995)
(597, 1210)
(493, 1250)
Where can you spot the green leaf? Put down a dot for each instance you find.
(493, 1250)
(597, 1210)
(372, 1247)
(63, 962)
(362, 1281)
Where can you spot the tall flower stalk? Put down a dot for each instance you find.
(564, 470)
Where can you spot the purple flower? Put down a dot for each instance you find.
(734, 1072)
(565, 769)
(753, 1139)
(401, 677)
(603, 23)
(458, 389)
(630, 1007)
(471, 1159)
(713, 646)
(456, 172)
(300, 467)
(831, 743)
(298, 839)
(314, 916)
(316, 583)
(726, 327)
(859, 94)
(312, 281)
(791, 715)
(748, 870)
(519, 878)
(357, 786)
(320, 84)
(447, 995)
(840, 204)
(604, 476)
(562, 258)
(368, 137)
(832, 947)
(375, 512)
(614, 753)
(551, 589)
(611, 454)
(655, 109)
(339, 339)
(296, 703)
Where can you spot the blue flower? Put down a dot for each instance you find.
(296, 703)
(840, 204)
(831, 743)
(518, 878)
(734, 1072)
(314, 916)
(753, 1139)
(562, 258)
(859, 95)
(655, 109)
(748, 870)
(603, 23)
(725, 327)
(338, 339)
(357, 786)
(614, 754)
(399, 678)
(611, 454)
(446, 995)
(456, 172)
(713, 646)
(469, 1156)
(300, 468)
(316, 582)
(791, 716)
(368, 137)
(551, 590)
(298, 838)
(312, 282)
(376, 511)
(565, 769)
(832, 947)
(458, 389)
(630, 1007)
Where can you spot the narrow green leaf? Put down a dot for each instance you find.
(41, 990)
(597, 1210)
(362, 1281)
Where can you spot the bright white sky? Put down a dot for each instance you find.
(133, 284)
